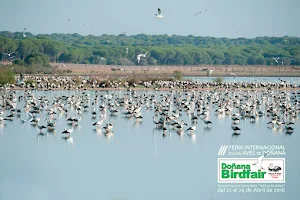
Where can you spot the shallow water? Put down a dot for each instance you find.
(294, 80)
(136, 163)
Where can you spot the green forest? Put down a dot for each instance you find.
(162, 49)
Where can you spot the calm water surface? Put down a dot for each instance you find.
(248, 79)
(136, 163)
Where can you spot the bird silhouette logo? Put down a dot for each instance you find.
(259, 161)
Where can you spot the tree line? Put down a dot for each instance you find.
(162, 49)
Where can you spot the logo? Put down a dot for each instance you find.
(251, 170)
(274, 168)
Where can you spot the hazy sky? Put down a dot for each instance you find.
(223, 18)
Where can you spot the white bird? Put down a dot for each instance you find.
(141, 55)
(127, 50)
(108, 128)
(23, 33)
(9, 54)
(276, 59)
(192, 128)
(259, 161)
(98, 123)
(158, 15)
(67, 131)
(233, 74)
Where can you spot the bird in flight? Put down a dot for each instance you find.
(276, 59)
(23, 33)
(159, 15)
(141, 55)
(200, 12)
(68, 20)
(9, 54)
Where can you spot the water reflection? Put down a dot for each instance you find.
(41, 136)
(109, 136)
(136, 149)
(68, 139)
(98, 131)
(206, 130)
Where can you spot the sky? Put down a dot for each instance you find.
(223, 18)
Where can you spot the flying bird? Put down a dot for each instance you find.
(9, 54)
(141, 55)
(276, 59)
(159, 15)
(23, 33)
(197, 13)
(69, 20)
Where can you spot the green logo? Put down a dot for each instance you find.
(242, 171)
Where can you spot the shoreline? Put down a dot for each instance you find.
(153, 89)
(71, 69)
(166, 75)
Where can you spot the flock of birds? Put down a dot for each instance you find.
(281, 108)
(94, 82)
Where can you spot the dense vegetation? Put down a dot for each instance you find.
(6, 75)
(163, 49)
